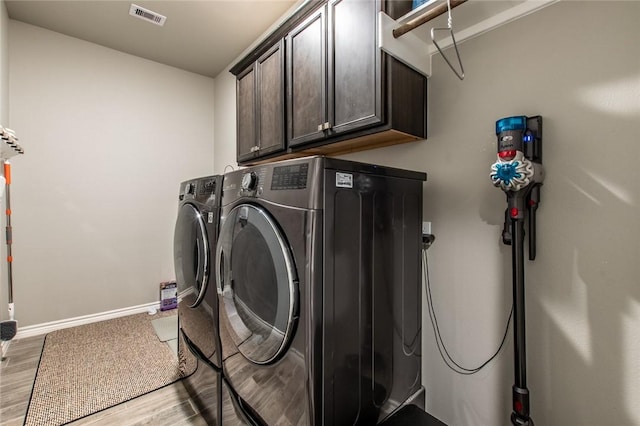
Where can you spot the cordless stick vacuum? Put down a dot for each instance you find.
(519, 173)
(8, 328)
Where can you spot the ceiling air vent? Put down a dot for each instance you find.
(147, 15)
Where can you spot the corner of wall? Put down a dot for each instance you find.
(224, 122)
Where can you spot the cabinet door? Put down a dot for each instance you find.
(270, 98)
(355, 67)
(246, 114)
(306, 79)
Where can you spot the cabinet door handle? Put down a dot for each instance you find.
(326, 126)
(320, 127)
(254, 149)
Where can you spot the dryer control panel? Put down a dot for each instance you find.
(251, 183)
(295, 183)
(290, 177)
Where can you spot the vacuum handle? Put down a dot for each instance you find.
(506, 229)
(532, 206)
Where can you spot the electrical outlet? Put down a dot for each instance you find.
(426, 228)
(427, 235)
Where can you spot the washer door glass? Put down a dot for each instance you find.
(191, 253)
(257, 283)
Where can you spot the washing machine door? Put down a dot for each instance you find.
(257, 283)
(191, 253)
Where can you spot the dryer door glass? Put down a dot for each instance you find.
(191, 253)
(257, 283)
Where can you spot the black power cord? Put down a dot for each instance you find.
(448, 359)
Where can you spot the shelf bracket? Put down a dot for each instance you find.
(9, 145)
(409, 49)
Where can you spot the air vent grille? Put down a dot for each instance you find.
(147, 15)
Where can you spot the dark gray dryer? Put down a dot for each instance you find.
(318, 266)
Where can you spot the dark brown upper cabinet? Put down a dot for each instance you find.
(355, 68)
(340, 92)
(246, 114)
(260, 106)
(307, 79)
(333, 72)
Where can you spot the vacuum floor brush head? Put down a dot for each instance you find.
(8, 329)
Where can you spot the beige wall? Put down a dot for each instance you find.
(577, 65)
(4, 65)
(108, 138)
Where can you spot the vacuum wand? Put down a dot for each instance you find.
(518, 172)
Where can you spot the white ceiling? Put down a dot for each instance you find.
(202, 36)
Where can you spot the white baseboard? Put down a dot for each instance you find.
(38, 329)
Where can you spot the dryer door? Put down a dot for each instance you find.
(257, 284)
(191, 253)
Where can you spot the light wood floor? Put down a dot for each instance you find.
(170, 405)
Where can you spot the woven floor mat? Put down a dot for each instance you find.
(92, 367)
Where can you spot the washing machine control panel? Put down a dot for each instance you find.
(207, 187)
(202, 190)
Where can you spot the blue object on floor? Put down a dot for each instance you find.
(411, 415)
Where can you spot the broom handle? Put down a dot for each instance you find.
(8, 236)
